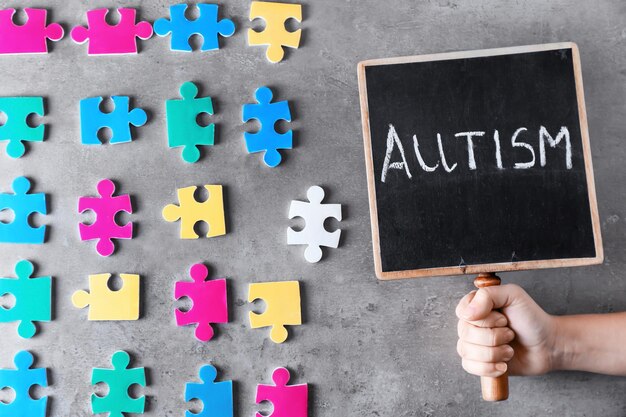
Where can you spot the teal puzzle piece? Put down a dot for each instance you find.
(182, 127)
(33, 299)
(16, 130)
(23, 205)
(21, 380)
(119, 379)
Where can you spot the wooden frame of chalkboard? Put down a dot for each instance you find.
(595, 246)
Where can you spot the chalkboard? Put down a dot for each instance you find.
(479, 162)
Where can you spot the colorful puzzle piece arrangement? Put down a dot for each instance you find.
(106, 207)
(282, 301)
(29, 38)
(267, 138)
(92, 119)
(105, 304)
(23, 204)
(207, 25)
(314, 214)
(190, 211)
(216, 397)
(119, 379)
(287, 400)
(21, 380)
(33, 299)
(182, 126)
(275, 35)
(210, 303)
(16, 130)
(105, 39)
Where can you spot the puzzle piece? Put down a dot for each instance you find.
(106, 207)
(29, 38)
(92, 119)
(314, 214)
(275, 34)
(210, 303)
(21, 380)
(207, 25)
(287, 400)
(189, 212)
(119, 379)
(182, 128)
(23, 205)
(16, 130)
(282, 300)
(105, 304)
(216, 397)
(267, 138)
(107, 39)
(33, 299)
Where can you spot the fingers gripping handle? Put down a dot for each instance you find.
(493, 389)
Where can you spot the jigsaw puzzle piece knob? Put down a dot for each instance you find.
(204, 332)
(278, 334)
(80, 299)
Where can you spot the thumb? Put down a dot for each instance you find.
(489, 298)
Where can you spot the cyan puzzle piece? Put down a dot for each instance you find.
(92, 119)
(182, 128)
(23, 206)
(119, 379)
(216, 397)
(16, 130)
(207, 25)
(21, 380)
(33, 299)
(287, 400)
(267, 138)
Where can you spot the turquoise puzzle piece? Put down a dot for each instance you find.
(119, 379)
(216, 397)
(33, 299)
(23, 205)
(16, 130)
(267, 138)
(92, 119)
(182, 127)
(21, 380)
(207, 25)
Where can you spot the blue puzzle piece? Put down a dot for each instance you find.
(267, 139)
(22, 205)
(216, 397)
(92, 119)
(207, 25)
(21, 380)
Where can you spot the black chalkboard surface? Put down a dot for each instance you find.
(479, 162)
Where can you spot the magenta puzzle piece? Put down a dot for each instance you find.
(104, 227)
(287, 400)
(29, 38)
(210, 303)
(112, 39)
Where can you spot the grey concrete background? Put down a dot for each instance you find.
(366, 348)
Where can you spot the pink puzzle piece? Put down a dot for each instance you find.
(111, 39)
(29, 38)
(105, 228)
(287, 400)
(210, 303)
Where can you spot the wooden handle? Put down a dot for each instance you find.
(493, 389)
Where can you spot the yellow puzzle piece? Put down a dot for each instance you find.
(282, 300)
(189, 212)
(275, 34)
(105, 304)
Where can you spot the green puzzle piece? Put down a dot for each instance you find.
(119, 379)
(32, 299)
(182, 128)
(16, 130)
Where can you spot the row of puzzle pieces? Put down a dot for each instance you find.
(183, 129)
(216, 397)
(189, 211)
(121, 38)
(33, 301)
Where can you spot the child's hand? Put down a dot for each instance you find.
(521, 337)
